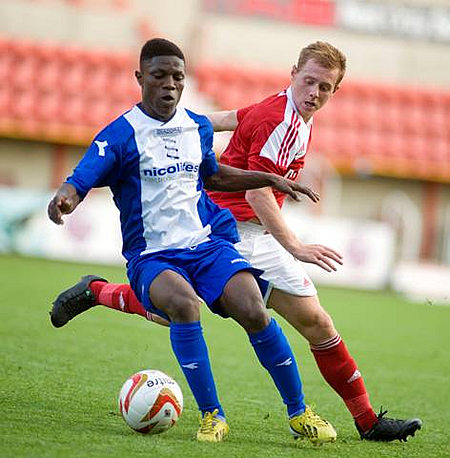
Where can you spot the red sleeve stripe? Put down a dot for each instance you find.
(289, 146)
(287, 136)
(288, 140)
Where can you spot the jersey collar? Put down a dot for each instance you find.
(291, 101)
(143, 114)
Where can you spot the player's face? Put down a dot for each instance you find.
(162, 81)
(312, 86)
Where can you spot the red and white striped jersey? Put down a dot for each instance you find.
(272, 137)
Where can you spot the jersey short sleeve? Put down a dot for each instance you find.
(241, 112)
(261, 143)
(99, 166)
(209, 165)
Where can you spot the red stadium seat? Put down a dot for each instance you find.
(50, 68)
(231, 97)
(74, 72)
(324, 142)
(48, 106)
(6, 62)
(331, 114)
(99, 111)
(122, 79)
(437, 150)
(24, 64)
(353, 145)
(72, 110)
(437, 108)
(274, 82)
(413, 113)
(23, 104)
(395, 146)
(5, 101)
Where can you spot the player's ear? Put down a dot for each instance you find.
(294, 71)
(138, 76)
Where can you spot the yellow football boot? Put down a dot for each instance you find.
(212, 428)
(310, 426)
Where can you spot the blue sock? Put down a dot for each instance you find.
(275, 354)
(190, 349)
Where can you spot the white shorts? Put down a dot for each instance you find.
(281, 269)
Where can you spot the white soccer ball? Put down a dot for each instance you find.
(150, 402)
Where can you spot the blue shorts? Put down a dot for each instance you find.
(206, 267)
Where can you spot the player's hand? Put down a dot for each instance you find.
(294, 189)
(320, 255)
(65, 201)
(59, 206)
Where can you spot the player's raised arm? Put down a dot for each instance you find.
(231, 179)
(223, 120)
(64, 202)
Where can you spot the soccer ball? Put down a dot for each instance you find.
(150, 402)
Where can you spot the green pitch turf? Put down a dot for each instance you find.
(59, 387)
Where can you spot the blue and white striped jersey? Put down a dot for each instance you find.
(156, 170)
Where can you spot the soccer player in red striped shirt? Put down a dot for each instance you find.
(273, 136)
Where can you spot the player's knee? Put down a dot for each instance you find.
(256, 322)
(183, 309)
(322, 325)
(253, 316)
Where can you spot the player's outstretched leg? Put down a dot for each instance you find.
(93, 290)
(389, 429)
(341, 372)
(338, 367)
(74, 301)
(310, 426)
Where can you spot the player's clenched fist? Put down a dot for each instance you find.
(65, 201)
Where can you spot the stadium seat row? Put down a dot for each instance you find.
(374, 152)
(45, 84)
(356, 105)
(66, 94)
(367, 128)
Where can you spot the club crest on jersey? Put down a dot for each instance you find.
(171, 148)
(101, 147)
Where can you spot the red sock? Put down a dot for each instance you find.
(340, 371)
(117, 296)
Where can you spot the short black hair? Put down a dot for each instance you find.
(160, 47)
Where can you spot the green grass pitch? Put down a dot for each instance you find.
(59, 387)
